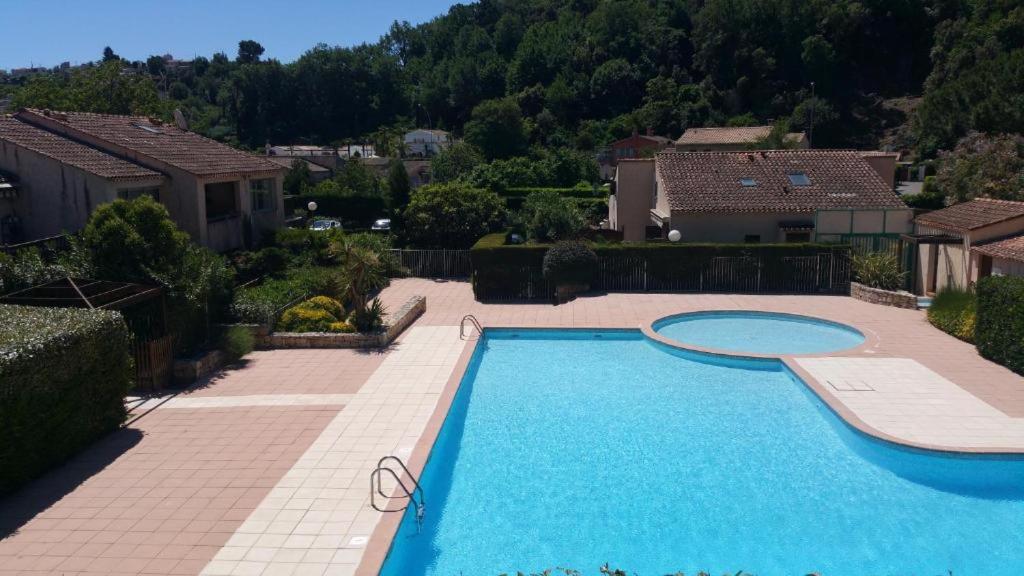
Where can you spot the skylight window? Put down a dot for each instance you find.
(748, 182)
(799, 179)
(149, 129)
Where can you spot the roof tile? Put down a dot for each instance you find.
(1009, 248)
(972, 214)
(710, 181)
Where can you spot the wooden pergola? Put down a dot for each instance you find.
(83, 293)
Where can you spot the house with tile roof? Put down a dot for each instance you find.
(424, 143)
(67, 163)
(635, 146)
(958, 245)
(756, 196)
(731, 139)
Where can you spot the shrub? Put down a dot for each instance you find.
(954, 312)
(999, 333)
(329, 305)
(320, 281)
(259, 304)
(301, 318)
(878, 270)
(547, 217)
(452, 215)
(63, 377)
(570, 263)
(236, 342)
(368, 318)
(342, 328)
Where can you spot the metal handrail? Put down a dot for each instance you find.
(473, 322)
(377, 487)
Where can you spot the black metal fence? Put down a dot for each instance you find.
(434, 263)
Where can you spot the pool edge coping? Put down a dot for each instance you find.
(383, 535)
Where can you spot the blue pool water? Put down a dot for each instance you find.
(579, 448)
(759, 332)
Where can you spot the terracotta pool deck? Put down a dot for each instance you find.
(263, 469)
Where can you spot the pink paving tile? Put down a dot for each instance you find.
(161, 496)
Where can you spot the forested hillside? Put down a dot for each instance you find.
(579, 73)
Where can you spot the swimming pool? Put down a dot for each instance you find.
(576, 448)
(758, 332)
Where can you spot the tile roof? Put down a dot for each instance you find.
(1009, 248)
(287, 161)
(972, 214)
(72, 153)
(735, 136)
(710, 181)
(163, 142)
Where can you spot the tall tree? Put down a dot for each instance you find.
(249, 52)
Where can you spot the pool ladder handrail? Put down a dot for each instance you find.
(472, 322)
(376, 487)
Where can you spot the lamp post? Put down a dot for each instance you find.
(312, 208)
(674, 236)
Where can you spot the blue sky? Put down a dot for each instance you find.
(48, 32)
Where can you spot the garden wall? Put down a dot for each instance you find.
(64, 373)
(514, 272)
(883, 297)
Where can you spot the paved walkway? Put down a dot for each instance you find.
(263, 468)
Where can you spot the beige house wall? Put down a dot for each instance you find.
(634, 192)
(54, 198)
(732, 228)
(828, 222)
(1006, 267)
(954, 265)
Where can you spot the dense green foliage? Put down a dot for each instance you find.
(999, 333)
(236, 342)
(547, 216)
(63, 376)
(318, 314)
(136, 241)
(260, 304)
(579, 74)
(955, 312)
(452, 215)
(982, 167)
(570, 262)
(878, 270)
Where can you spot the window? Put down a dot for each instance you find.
(799, 179)
(133, 193)
(221, 200)
(752, 239)
(262, 195)
(747, 182)
(793, 237)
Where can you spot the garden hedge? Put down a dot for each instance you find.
(64, 374)
(503, 271)
(999, 333)
(955, 312)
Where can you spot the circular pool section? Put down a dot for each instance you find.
(758, 332)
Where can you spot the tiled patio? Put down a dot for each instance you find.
(263, 469)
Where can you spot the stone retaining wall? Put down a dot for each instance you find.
(397, 323)
(899, 299)
(188, 370)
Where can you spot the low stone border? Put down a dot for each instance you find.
(188, 370)
(899, 299)
(398, 322)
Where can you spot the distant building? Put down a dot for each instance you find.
(731, 139)
(68, 163)
(326, 156)
(317, 173)
(635, 146)
(756, 196)
(957, 246)
(422, 143)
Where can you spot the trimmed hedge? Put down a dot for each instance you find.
(999, 334)
(955, 313)
(574, 192)
(515, 271)
(64, 373)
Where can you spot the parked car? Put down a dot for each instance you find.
(382, 225)
(322, 225)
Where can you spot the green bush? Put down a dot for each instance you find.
(570, 263)
(236, 342)
(63, 377)
(301, 318)
(329, 305)
(507, 271)
(368, 318)
(878, 270)
(259, 304)
(999, 333)
(452, 215)
(954, 312)
(547, 217)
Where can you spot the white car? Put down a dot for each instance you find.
(382, 225)
(322, 225)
